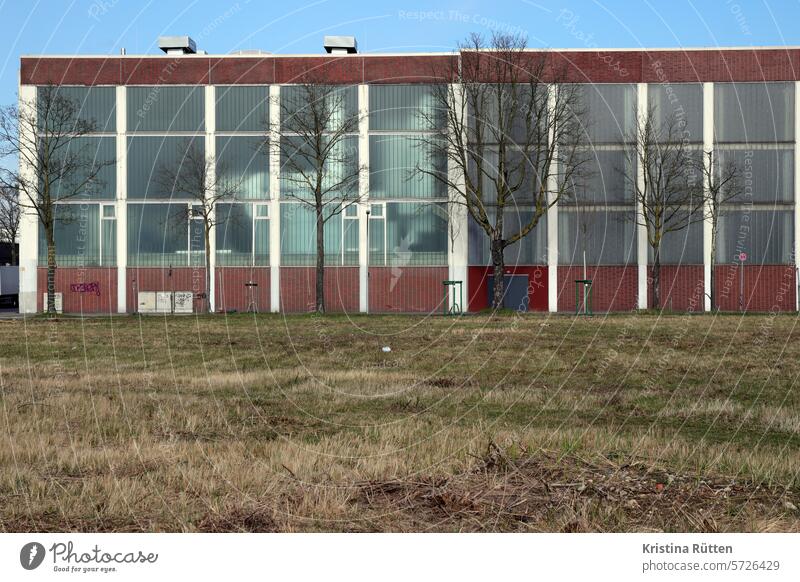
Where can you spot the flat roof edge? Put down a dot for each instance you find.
(415, 54)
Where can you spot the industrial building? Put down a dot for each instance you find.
(392, 251)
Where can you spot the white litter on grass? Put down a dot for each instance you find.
(386, 349)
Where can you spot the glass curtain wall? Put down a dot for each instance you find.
(596, 218)
(754, 129)
(163, 123)
(680, 106)
(298, 234)
(242, 156)
(84, 228)
(408, 224)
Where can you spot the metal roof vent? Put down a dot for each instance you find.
(340, 45)
(177, 45)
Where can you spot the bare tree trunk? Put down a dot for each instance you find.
(320, 275)
(656, 276)
(14, 252)
(498, 262)
(207, 299)
(51, 271)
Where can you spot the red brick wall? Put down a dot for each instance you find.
(159, 279)
(406, 289)
(614, 288)
(82, 299)
(231, 293)
(537, 286)
(298, 289)
(766, 288)
(720, 65)
(619, 66)
(681, 287)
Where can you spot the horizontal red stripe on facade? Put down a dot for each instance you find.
(479, 286)
(298, 289)
(243, 289)
(681, 287)
(614, 288)
(406, 289)
(771, 288)
(616, 66)
(83, 290)
(164, 279)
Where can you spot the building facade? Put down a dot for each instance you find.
(125, 248)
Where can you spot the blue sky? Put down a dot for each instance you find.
(104, 26)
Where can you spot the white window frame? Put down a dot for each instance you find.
(103, 217)
(256, 217)
(345, 218)
(382, 217)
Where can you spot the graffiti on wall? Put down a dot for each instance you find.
(93, 287)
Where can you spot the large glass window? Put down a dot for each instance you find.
(611, 112)
(606, 177)
(242, 235)
(299, 237)
(93, 104)
(162, 108)
(530, 250)
(296, 110)
(754, 130)
(404, 108)
(521, 175)
(87, 155)
(78, 240)
(681, 104)
(146, 156)
(159, 236)
(682, 247)
(244, 159)
(393, 164)
(766, 236)
(340, 179)
(766, 174)
(754, 112)
(408, 234)
(607, 236)
(242, 108)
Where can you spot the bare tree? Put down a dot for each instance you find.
(721, 183)
(9, 219)
(319, 162)
(511, 136)
(54, 165)
(205, 181)
(669, 196)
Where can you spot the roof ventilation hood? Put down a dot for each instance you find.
(340, 45)
(177, 45)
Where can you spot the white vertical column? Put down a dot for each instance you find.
(211, 154)
(458, 227)
(121, 207)
(274, 198)
(641, 229)
(28, 226)
(796, 248)
(363, 193)
(708, 146)
(552, 223)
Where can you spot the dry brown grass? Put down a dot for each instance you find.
(481, 424)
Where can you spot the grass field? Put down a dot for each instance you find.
(304, 423)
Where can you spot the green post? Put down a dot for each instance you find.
(449, 286)
(584, 285)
